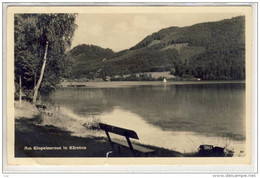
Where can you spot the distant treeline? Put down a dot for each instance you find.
(210, 51)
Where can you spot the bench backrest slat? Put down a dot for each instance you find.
(118, 130)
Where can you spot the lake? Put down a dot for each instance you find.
(176, 115)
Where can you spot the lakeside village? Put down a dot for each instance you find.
(146, 76)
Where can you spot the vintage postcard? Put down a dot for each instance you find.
(129, 85)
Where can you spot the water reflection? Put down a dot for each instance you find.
(209, 109)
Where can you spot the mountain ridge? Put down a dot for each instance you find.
(210, 51)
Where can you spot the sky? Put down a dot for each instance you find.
(122, 31)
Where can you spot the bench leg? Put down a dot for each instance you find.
(107, 154)
(115, 150)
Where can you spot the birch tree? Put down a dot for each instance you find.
(40, 44)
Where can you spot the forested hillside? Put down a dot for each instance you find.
(210, 51)
(82, 57)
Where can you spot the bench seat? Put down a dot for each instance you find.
(127, 134)
(135, 146)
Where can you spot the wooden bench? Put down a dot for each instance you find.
(43, 109)
(135, 149)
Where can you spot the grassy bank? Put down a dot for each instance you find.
(32, 132)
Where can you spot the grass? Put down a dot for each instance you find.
(35, 129)
(29, 133)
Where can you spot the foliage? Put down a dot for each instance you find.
(31, 32)
(210, 51)
(141, 62)
(216, 50)
(85, 56)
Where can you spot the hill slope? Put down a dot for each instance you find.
(83, 56)
(213, 50)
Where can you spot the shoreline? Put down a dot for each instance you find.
(32, 139)
(40, 135)
(112, 84)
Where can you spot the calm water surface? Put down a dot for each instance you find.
(209, 109)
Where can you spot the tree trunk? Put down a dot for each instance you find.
(34, 82)
(41, 75)
(20, 91)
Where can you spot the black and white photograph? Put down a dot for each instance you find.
(131, 82)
